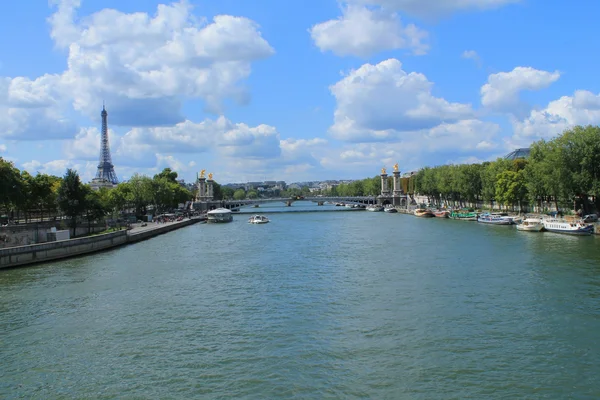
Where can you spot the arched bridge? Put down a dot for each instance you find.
(231, 204)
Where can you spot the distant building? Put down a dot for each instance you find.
(518, 153)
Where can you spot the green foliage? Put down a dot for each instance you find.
(71, 196)
(239, 194)
(226, 193)
(565, 170)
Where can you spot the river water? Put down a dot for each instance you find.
(312, 305)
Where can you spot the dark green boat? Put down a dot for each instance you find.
(463, 215)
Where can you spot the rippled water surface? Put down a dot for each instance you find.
(311, 305)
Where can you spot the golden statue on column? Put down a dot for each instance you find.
(202, 173)
(210, 176)
(396, 167)
(383, 172)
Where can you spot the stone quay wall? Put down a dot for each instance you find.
(35, 253)
(35, 233)
(155, 230)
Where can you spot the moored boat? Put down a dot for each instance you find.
(441, 213)
(390, 209)
(258, 219)
(531, 225)
(570, 227)
(219, 215)
(423, 213)
(463, 215)
(494, 219)
(374, 208)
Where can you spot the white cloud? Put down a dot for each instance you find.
(34, 124)
(435, 8)
(466, 138)
(228, 138)
(143, 66)
(472, 55)
(362, 31)
(139, 62)
(3, 148)
(583, 108)
(379, 102)
(86, 170)
(501, 92)
(86, 144)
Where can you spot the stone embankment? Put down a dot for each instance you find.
(36, 253)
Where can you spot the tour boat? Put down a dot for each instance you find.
(258, 219)
(219, 215)
(441, 213)
(374, 208)
(390, 209)
(494, 219)
(531, 225)
(464, 215)
(423, 213)
(569, 227)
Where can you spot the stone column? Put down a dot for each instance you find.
(385, 191)
(201, 189)
(397, 188)
(209, 189)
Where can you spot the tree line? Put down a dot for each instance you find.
(561, 173)
(43, 196)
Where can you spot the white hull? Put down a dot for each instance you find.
(375, 209)
(531, 225)
(219, 215)
(530, 228)
(258, 219)
(493, 221)
(566, 227)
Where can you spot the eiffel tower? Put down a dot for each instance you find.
(105, 176)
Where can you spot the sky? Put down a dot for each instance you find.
(295, 91)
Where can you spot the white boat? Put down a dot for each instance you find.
(258, 219)
(574, 227)
(424, 213)
(494, 219)
(374, 208)
(219, 215)
(531, 225)
(390, 209)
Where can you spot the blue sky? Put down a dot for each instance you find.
(291, 91)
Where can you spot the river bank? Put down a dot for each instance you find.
(403, 210)
(36, 253)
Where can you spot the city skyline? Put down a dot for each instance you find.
(334, 93)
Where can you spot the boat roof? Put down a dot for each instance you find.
(219, 211)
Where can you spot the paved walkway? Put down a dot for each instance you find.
(138, 228)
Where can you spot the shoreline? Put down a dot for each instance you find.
(29, 255)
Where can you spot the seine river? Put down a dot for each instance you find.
(312, 305)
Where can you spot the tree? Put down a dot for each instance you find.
(71, 197)
(511, 188)
(239, 194)
(94, 207)
(226, 193)
(141, 188)
(252, 194)
(43, 193)
(169, 175)
(10, 182)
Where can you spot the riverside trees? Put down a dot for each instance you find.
(26, 196)
(563, 172)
